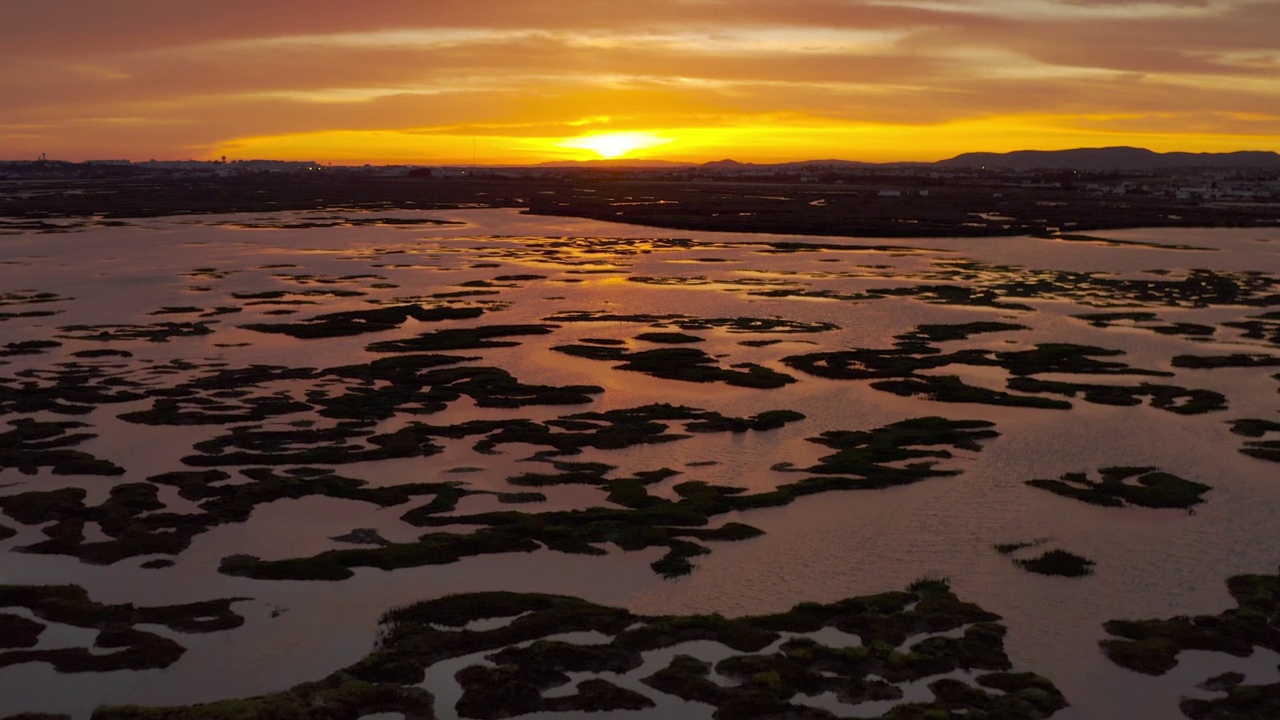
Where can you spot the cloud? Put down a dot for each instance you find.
(147, 78)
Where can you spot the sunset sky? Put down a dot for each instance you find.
(443, 81)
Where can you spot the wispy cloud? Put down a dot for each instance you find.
(151, 78)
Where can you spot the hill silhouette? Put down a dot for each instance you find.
(1114, 158)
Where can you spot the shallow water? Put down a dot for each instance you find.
(1149, 563)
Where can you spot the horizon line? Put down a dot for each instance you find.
(637, 162)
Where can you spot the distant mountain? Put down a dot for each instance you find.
(800, 165)
(1114, 158)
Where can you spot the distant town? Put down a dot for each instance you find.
(974, 194)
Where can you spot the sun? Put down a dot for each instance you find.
(614, 145)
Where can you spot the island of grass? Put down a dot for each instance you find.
(950, 388)
(1011, 548)
(1152, 646)
(682, 363)
(1237, 360)
(28, 347)
(1254, 428)
(1169, 398)
(669, 338)
(906, 637)
(158, 332)
(34, 444)
(773, 325)
(1121, 486)
(120, 644)
(1260, 327)
(896, 454)
(1075, 237)
(1057, 562)
(1147, 321)
(1051, 562)
(338, 221)
(357, 322)
(417, 384)
(470, 338)
(134, 522)
(993, 286)
(906, 370)
(349, 442)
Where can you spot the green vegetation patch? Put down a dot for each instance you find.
(33, 444)
(950, 388)
(473, 338)
(337, 221)
(220, 410)
(356, 442)
(282, 297)
(1263, 450)
(1170, 398)
(977, 284)
(1011, 548)
(249, 445)
(897, 454)
(1146, 321)
(417, 385)
(135, 522)
(119, 517)
(358, 322)
(19, 632)
(964, 295)
(1242, 702)
(1067, 358)
(765, 685)
(625, 427)
(641, 522)
(67, 388)
(690, 323)
(1120, 486)
(603, 341)
(177, 310)
(337, 697)
(104, 352)
(511, 690)
(902, 370)
(120, 645)
(1253, 428)
(669, 338)
(525, 661)
(28, 347)
(1152, 646)
(878, 458)
(1058, 562)
(961, 331)
(1112, 242)
(158, 332)
(1264, 327)
(520, 278)
(680, 363)
(1196, 288)
(914, 353)
(30, 297)
(1237, 360)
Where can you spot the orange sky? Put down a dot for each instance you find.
(443, 81)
